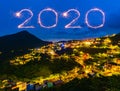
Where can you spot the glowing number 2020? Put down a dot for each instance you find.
(22, 25)
(65, 14)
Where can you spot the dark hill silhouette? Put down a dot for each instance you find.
(20, 40)
(115, 39)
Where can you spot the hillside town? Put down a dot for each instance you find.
(58, 63)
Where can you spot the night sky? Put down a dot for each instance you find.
(111, 8)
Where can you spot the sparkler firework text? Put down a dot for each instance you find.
(64, 14)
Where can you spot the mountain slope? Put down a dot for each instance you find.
(115, 39)
(21, 40)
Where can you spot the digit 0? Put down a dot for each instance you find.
(103, 19)
(50, 10)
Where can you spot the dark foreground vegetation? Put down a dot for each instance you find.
(90, 84)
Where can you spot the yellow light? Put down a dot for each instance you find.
(88, 43)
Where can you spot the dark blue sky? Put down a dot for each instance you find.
(9, 23)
